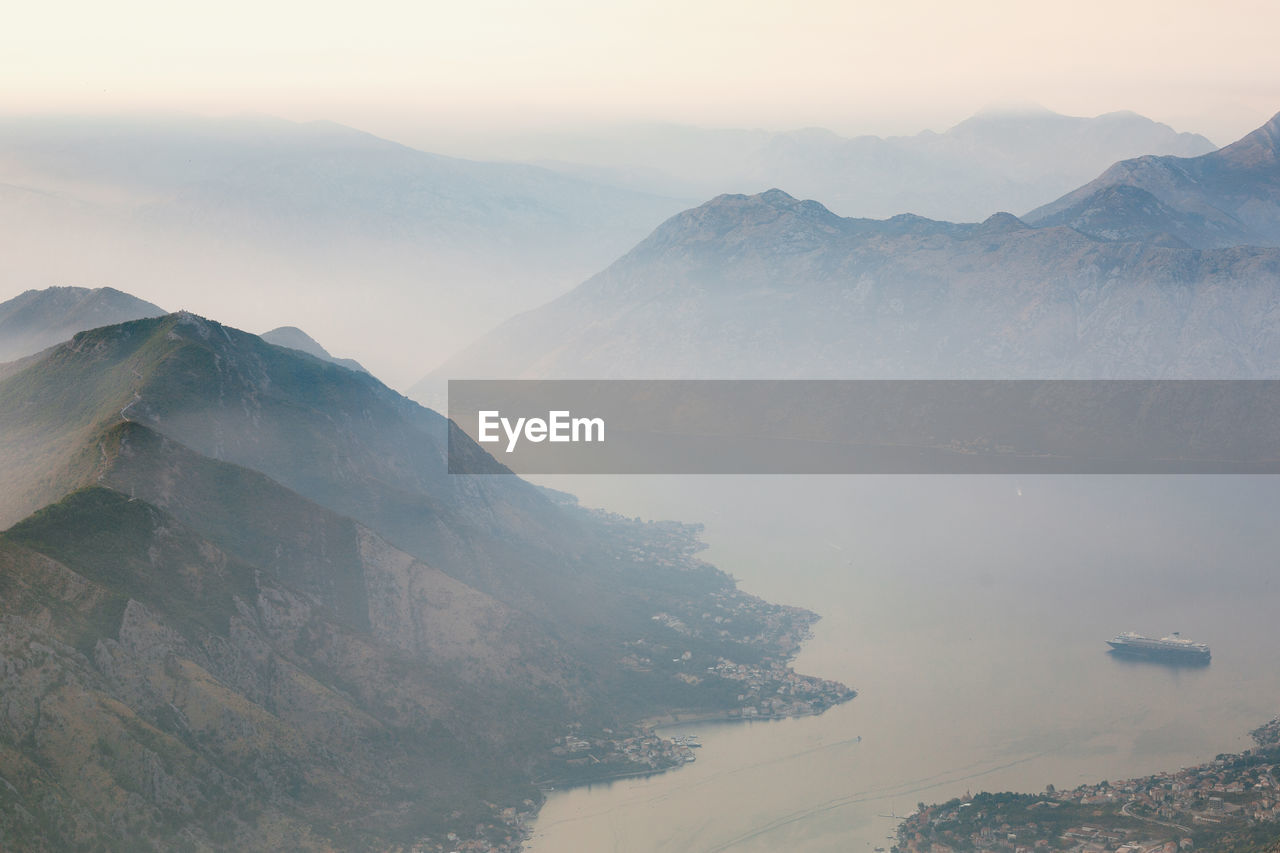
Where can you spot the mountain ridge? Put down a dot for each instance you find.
(995, 159)
(1232, 195)
(1115, 280)
(898, 298)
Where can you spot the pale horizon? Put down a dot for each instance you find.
(562, 82)
(443, 77)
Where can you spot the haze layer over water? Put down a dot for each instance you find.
(972, 615)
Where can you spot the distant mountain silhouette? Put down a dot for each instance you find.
(1163, 275)
(237, 216)
(37, 319)
(995, 160)
(295, 338)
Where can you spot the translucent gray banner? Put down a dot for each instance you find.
(865, 427)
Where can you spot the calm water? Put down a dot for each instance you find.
(971, 614)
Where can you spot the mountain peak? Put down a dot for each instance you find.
(1259, 149)
(768, 206)
(1001, 223)
(36, 319)
(776, 196)
(294, 338)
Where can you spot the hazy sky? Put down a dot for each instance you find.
(420, 70)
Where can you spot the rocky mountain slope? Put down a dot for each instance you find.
(160, 692)
(243, 605)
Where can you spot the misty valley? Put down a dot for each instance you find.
(258, 596)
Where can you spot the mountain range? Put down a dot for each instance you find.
(245, 605)
(37, 319)
(768, 286)
(998, 159)
(235, 216)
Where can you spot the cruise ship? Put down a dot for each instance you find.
(1174, 647)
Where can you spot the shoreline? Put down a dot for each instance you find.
(674, 718)
(671, 718)
(770, 689)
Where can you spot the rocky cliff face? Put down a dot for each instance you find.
(160, 692)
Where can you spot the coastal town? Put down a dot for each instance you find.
(774, 691)
(680, 656)
(1231, 803)
(721, 611)
(507, 832)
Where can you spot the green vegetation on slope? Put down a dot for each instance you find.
(129, 547)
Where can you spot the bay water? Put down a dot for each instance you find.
(971, 614)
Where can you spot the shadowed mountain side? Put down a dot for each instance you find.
(344, 566)
(161, 692)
